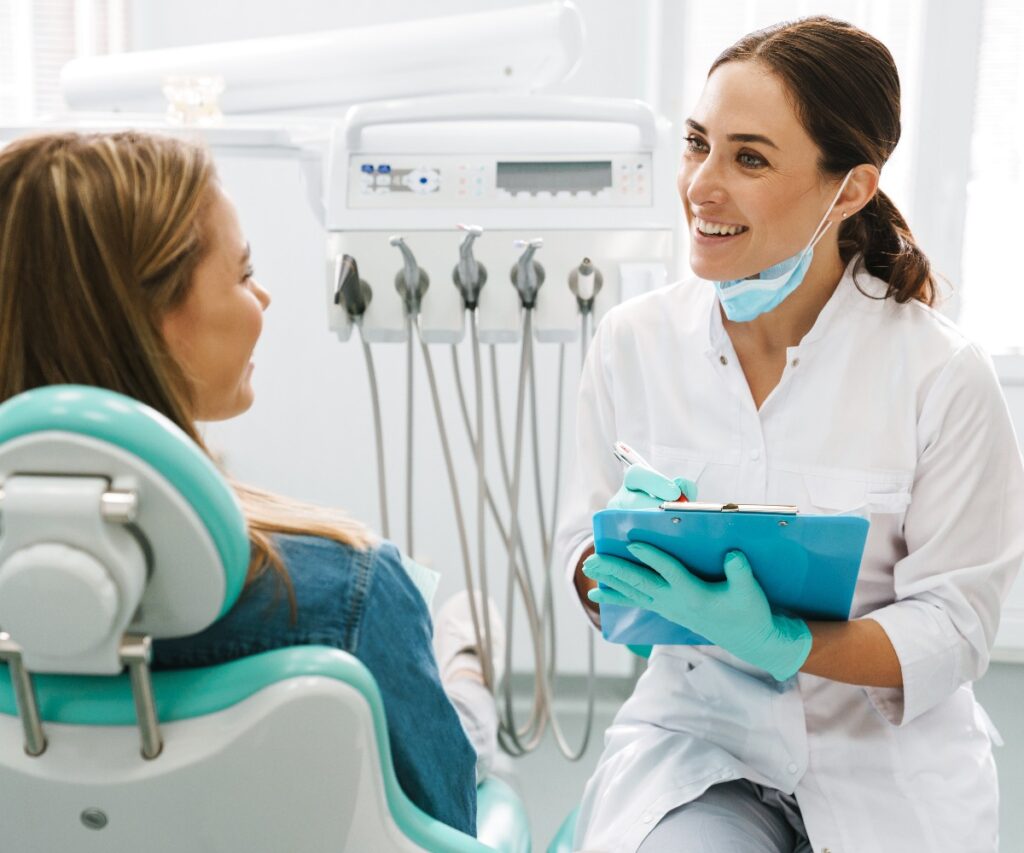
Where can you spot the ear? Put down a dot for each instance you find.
(859, 190)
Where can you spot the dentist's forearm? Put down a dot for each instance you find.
(855, 652)
(583, 585)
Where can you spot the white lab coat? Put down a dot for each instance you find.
(882, 407)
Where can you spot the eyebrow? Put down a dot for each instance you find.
(734, 137)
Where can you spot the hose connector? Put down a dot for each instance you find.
(469, 274)
(350, 291)
(585, 282)
(527, 274)
(411, 282)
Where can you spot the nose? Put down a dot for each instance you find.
(262, 295)
(701, 183)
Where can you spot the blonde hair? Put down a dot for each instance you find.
(100, 235)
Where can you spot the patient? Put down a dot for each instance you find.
(123, 266)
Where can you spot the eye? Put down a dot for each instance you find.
(249, 273)
(750, 160)
(696, 145)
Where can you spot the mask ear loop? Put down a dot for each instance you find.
(819, 232)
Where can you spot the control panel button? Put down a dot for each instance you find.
(366, 168)
(422, 181)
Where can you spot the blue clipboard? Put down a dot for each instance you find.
(806, 564)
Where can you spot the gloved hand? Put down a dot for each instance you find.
(643, 488)
(733, 613)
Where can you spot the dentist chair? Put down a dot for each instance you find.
(116, 530)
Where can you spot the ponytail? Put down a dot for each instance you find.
(880, 233)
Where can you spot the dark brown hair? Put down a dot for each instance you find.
(100, 235)
(845, 88)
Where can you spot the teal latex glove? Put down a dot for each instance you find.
(732, 613)
(643, 488)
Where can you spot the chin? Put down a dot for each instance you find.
(228, 409)
(721, 271)
(243, 404)
(708, 271)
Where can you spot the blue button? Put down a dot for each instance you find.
(423, 180)
(384, 169)
(366, 167)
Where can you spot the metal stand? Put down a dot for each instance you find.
(24, 696)
(136, 651)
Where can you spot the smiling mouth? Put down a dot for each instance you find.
(718, 229)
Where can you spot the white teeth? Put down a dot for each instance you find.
(718, 227)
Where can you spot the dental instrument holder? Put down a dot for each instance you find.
(585, 282)
(411, 282)
(469, 274)
(350, 291)
(527, 274)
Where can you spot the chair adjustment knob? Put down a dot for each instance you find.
(57, 600)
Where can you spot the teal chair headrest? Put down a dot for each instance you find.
(139, 430)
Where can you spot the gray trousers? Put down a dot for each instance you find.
(734, 817)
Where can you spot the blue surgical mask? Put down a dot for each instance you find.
(744, 299)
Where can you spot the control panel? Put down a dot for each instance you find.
(431, 181)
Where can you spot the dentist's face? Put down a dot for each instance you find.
(749, 178)
(212, 333)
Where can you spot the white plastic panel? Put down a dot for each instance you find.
(422, 181)
(476, 51)
(294, 767)
(185, 591)
(557, 320)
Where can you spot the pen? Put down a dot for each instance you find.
(628, 456)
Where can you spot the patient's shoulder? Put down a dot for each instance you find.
(332, 577)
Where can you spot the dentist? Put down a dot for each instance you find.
(805, 364)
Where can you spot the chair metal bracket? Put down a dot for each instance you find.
(24, 696)
(136, 652)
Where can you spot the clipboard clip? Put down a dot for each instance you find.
(697, 506)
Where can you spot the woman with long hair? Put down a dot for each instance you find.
(123, 266)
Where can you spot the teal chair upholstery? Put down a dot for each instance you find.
(562, 842)
(286, 750)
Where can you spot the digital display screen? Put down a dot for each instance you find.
(590, 176)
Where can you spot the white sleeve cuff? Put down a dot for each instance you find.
(930, 652)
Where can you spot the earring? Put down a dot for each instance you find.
(845, 214)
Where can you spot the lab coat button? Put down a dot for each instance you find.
(795, 362)
(755, 455)
(792, 768)
(723, 359)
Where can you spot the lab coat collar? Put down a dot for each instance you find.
(854, 283)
